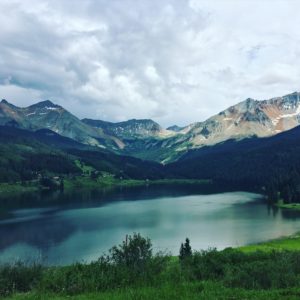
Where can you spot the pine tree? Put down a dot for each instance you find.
(185, 250)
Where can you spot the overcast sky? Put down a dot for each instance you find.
(175, 61)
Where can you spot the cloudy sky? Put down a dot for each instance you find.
(175, 61)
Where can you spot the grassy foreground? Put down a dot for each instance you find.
(289, 243)
(131, 271)
(193, 291)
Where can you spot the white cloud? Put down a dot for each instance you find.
(151, 74)
(19, 94)
(171, 60)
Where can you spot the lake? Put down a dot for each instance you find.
(63, 228)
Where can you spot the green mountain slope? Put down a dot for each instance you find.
(24, 154)
(272, 162)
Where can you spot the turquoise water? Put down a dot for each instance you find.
(63, 231)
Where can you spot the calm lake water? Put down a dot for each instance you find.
(61, 229)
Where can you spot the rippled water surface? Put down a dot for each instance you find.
(60, 229)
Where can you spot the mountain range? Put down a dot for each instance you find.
(253, 145)
(146, 139)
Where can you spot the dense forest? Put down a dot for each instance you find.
(270, 165)
(25, 154)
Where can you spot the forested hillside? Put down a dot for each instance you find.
(24, 155)
(270, 164)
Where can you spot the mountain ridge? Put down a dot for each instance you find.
(270, 164)
(146, 139)
(46, 114)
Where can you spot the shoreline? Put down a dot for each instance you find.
(56, 282)
(284, 243)
(292, 206)
(17, 189)
(83, 182)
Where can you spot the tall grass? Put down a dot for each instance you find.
(133, 266)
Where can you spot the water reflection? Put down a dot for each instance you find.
(63, 228)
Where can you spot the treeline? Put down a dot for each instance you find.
(18, 167)
(25, 154)
(284, 186)
(124, 167)
(270, 165)
(133, 265)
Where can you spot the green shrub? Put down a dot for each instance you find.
(277, 270)
(18, 278)
(129, 264)
(132, 264)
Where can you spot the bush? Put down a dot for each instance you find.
(135, 260)
(133, 264)
(134, 252)
(129, 264)
(258, 270)
(18, 278)
(277, 270)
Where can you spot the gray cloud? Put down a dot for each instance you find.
(175, 61)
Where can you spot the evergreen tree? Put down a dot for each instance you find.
(185, 250)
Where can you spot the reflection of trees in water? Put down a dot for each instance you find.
(38, 233)
(272, 210)
(50, 229)
(290, 214)
(285, 213)
(91, 198)
(51, 198)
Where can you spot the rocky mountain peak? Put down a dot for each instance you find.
(7, 104)
(247, 118)
(46, 104)
(291, 101)
(175, 128)
(127, 129)
(146, 123)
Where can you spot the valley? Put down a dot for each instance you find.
(71, 188)
(149, 150)
(146, 139)
(234, 148)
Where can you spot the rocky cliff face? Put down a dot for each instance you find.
(47, 115)
(247, 118)
(131, 129)
(147, 139)
(175, 128)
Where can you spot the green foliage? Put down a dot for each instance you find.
(185, 251)
(129, 264)
(166, 291)
(18, 278)
(269, 165)
(51, 183)
(124, 167)
(85, 169)
(256, 270)
(134, 252)
(25, 154)
(132, 266)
